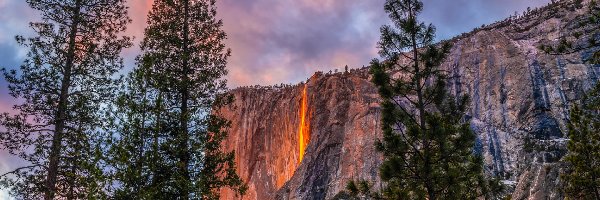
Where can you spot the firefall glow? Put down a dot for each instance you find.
(304, 129)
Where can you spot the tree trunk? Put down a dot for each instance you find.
(61, 114)
(421, 106)
(141, 154)
(184, 137)
(156, 178)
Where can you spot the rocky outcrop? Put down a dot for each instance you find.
(343, 114)
(520, 99)
(344, 126)
(264, 136)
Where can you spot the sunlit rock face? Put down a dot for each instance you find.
(341, 115)
(519, 106)
(344, 125)
(264, 135)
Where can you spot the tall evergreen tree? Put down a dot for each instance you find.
(170, 133)
(582, 177)
(427, 143)
(66, 77)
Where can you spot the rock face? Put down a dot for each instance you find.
(520, 100)
(343, 114)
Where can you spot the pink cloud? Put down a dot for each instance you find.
(286, 41)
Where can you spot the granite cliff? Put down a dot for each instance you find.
(520, 103)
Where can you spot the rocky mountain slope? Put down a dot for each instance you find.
(520, 100)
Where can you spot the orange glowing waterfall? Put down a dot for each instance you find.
(304, 129)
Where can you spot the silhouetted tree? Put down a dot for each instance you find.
(67, 76)
(169, 133)
(427, 143)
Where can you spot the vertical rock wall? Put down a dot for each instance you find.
(264, 136)
(344, 126)
(519, 109)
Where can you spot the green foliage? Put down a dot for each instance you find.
(167, 131)
(361, 190)
(592, 41)
(582, 177)
(427, 142)
(66, 78)
(545, 48)
(578, 3)
(136, 119)
(563, 46)
(352, 188)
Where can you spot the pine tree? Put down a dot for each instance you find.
(66, 78)
(358, 191)
(169, 133)
(427, 143)
(134, 155)
(582, 177)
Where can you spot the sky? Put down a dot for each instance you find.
(277, 41)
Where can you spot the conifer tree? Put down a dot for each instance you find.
(169, 133)
(582, 177)
(134, 155)
(67, 76)
(427, 143)
(358, 191)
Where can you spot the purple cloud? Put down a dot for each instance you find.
(286, 41)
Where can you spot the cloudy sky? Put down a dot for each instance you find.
(279, 41)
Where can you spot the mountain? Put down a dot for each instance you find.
(520, 98)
